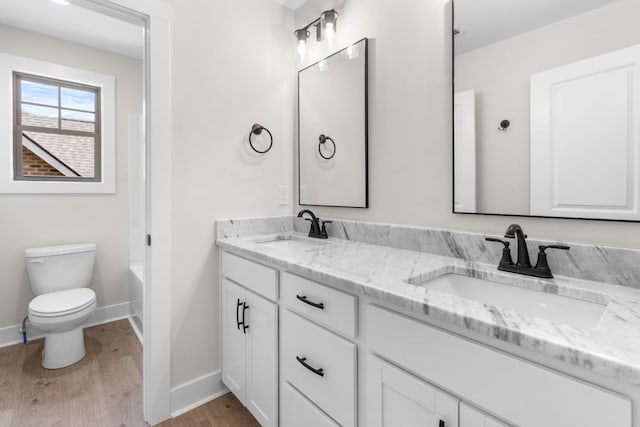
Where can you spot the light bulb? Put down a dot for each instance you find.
(302, 48)
(62, 2)
(329, 32)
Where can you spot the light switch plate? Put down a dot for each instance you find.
(284, 195)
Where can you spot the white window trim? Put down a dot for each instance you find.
(107, 84)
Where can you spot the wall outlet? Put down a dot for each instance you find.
(284, 195)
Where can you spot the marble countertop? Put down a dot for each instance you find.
(611, 348)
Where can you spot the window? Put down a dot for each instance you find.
(56, 129)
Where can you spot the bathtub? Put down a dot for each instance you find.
(136, 291)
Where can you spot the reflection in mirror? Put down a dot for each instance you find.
(546, 103)
(332, 125)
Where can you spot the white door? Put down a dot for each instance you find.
(464, 150)
(233, 339)
(585, 153)
(261, 317)
(472, 417)
(397, 398)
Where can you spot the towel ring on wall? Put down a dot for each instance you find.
(257, 129)
(323, 140)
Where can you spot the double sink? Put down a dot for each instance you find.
(532, 299)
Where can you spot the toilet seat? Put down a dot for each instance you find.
(56, 304)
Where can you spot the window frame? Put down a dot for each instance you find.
(19, 128)
(10, 63)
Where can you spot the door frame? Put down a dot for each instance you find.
(155, 17)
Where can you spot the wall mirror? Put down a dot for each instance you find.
(547, 108)
(332, 130)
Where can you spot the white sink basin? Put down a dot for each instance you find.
(290, 242)
(556, 308)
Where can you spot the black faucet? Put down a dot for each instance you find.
(523, 265)
(515, 231)
(316, 231)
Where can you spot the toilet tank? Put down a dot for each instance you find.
(60, 268)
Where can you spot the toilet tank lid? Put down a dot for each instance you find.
(59, 250)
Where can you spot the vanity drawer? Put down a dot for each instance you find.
(333, 308)
(256, 277)
(333, 388)
(518, 391)
(296, 410)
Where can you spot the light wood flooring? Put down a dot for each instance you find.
(102, 390)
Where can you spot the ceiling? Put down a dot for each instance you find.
(488, 21)
(87, 27)
(292, 4)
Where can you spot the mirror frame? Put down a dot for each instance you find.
(453, 148)
(366, 124)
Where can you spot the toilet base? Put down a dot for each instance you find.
(63, 349)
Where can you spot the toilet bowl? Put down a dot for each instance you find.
(59, 277)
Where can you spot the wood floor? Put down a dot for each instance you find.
(102, 390)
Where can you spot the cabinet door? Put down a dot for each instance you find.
(472, 417)
(233, 340)
(397, 398)
(261, 317)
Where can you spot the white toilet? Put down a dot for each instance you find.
(60, 277)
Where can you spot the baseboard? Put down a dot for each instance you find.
(136, 328)
(192, 394)
(11, 334)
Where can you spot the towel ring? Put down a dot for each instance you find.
(257, 129)
(323, 140)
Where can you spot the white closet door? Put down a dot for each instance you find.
(585, 122)
(464, 132)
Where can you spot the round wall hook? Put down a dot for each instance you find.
(504, 125)
(257, 129)
(323, 140)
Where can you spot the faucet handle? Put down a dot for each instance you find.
(545, 247)
(542, 265)
(493, 239)
(506, 251)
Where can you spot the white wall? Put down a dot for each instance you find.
(233, 65)
(410, 142)
(39, 220)
(500, 75)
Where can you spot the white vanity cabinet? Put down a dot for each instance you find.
(398, 398)
(299, 353)
(250, 338)
(316, 362)
(472, 417)
(517, 391)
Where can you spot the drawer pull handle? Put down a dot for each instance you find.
(303, 362)
(304, 299)
(238, 322)
(244, 324)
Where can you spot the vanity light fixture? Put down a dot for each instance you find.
(326, 26)
(302, 36)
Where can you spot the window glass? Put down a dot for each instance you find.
(39, 93)
(35, 115)
(78, 99)
(56, 129)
